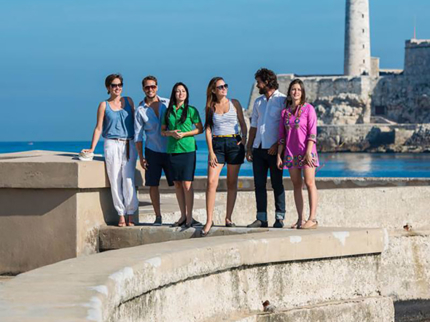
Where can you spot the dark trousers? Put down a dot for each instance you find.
(262, 162)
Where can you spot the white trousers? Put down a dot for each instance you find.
(121, 175)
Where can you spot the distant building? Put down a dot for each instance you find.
(365, 93)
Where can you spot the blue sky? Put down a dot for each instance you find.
(54, 55)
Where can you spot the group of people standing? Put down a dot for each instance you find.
(282, 136)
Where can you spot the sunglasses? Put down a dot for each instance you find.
(116, 85)
(148, 87)
(221, 87)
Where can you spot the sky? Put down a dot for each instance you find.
(55, 55)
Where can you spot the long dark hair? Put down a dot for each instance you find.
(289, 100)
(173, 102)
(211, 99)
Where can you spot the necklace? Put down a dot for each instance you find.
(296, 121)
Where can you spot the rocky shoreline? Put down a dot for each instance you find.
(374, 138)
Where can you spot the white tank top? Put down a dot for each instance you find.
(225, 124)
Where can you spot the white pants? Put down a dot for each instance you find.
(121, 175)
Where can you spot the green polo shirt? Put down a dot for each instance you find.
(187, 144)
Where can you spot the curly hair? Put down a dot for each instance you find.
(268, 77)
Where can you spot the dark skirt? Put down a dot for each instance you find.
(183, 166)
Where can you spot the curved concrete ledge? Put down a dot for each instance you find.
(172, 280)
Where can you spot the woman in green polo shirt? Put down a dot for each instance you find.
(181, 122)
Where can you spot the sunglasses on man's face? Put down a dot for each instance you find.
(221, 87)
(148, 87)
(116, 85)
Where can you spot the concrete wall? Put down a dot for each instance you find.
(343, 202)
(51, 208)
(205, 278)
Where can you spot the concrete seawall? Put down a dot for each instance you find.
(215, 278)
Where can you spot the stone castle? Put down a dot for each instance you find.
(368, 108)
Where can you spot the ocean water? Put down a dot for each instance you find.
(332, 164)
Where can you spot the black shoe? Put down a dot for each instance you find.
(279, 223)
(179, 223)
(258, 224)
(196, 223)
(158, 221)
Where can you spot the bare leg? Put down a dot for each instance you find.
(296, 179)
(188, 191)
(121, 222)
(212, 184)
(232, 175)
(154, 193)
(312, 192)
(180, 196)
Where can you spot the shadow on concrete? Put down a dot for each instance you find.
(414, 310)
(32, 202)
(109, 213)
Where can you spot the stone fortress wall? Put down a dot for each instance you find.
(366, 95)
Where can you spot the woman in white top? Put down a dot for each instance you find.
(225, 145)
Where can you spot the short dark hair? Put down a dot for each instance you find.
(149, 77)
(110, 79)
(268, 76)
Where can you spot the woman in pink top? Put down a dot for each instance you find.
(297, 150)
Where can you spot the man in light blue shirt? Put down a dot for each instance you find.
(147, 123)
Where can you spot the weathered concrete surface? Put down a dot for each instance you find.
(51, 208)
(361, 309)
(52, 169)
(283, 265)
(247, 183)
(405, 266)
(4, 279)
(111, 237)
(342, 203)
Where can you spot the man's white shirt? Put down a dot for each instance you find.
(266, 116)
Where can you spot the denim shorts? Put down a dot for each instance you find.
(157, 162)
(227, 150)
(183, 166)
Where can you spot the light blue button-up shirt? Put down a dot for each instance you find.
(146, 123)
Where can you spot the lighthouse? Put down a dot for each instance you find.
(357, 38)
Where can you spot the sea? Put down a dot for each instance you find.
(401, 165)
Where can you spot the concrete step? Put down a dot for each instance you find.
(112, 237)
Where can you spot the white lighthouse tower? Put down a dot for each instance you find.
(357, 38)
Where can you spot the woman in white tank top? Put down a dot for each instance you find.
(225, 131)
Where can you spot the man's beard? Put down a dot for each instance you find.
(262, 91)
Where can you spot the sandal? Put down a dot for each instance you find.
(313, 226)
(297, 224)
